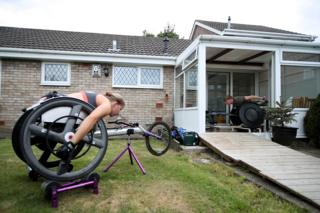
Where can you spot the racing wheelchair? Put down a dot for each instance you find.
(47, 125)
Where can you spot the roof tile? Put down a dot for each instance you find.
(87, 42)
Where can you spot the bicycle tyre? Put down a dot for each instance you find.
(158, 146)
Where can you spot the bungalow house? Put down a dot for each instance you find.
(176, 81)
(34, 62)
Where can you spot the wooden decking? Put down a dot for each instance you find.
(293, 170)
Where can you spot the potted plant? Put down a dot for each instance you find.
(279, 116)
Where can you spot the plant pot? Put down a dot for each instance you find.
(284, 135)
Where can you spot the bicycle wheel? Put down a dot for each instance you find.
(51, 122)
(158, 138)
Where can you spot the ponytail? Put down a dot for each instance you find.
(115, 97)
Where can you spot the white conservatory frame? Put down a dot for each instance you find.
(193, 118)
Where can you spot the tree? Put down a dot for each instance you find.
(147, 34)
(169, 32)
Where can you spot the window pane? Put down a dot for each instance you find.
(190, 58)
(291, 56)
(179, 92)
(243, 84)
(192, 77)
(150, 76)
(56, 72)
(299, 82)
(217, 90)
(191, 86)
(125, 76)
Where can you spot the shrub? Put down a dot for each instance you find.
(312, 122)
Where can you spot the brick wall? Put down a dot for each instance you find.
(20, 87)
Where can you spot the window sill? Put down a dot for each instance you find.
(136, 87)
(55, 84)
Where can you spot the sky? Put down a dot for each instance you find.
(131, 17)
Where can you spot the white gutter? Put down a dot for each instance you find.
(84, 56)
(211, 38)
(247, 33)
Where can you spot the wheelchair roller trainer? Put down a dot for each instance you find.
(52, 188)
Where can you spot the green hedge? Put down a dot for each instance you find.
(312, 122)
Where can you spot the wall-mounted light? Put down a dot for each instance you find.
(106, 70)
(96, 70)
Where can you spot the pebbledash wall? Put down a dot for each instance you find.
(21, 87)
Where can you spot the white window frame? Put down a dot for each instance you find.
(55, 83)
(139, 85)
(189, 87)
(186, 63)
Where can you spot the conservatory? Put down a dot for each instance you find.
(215, 66)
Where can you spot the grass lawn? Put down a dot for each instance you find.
(174, 183)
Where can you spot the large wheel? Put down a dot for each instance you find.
(16, 132)
(251, 115)
(51, 123)
(234, 116)
(159, 141)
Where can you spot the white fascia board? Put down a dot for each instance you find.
(85, 56)
(192, 30)
(205, 27)
(275, 34)
(187, 51)
(253, 35)
(259, 41)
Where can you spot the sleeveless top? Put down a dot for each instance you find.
(89, 97)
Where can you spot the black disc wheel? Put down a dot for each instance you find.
(51, 123)
(158, 138)
(251, 115)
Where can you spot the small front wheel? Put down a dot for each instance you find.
(158, 138)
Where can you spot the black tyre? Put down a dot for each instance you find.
(251, 115)
(66, 111)
(16, 132)
(159, 139)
